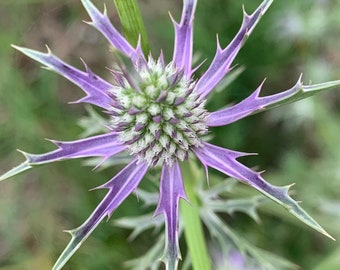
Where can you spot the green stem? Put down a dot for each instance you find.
(132, 23)
(193, 230)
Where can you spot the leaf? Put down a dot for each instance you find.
(228, 238)
(132, 22)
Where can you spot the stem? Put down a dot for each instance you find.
(193, 230)
(132, 23)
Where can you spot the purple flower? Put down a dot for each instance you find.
(157, 114)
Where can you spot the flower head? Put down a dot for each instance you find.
(157, 114)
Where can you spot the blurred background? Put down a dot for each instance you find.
(296, 143)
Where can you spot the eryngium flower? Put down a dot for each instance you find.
(157, 114)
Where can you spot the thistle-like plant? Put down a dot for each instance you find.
(157, 114)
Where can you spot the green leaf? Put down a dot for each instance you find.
(228, 238)
(93, 123)
(150, 260)
(132, 22)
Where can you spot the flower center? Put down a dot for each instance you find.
(163, 118)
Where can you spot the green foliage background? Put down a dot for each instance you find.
(296, 143)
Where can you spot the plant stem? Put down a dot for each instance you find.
(193, 230)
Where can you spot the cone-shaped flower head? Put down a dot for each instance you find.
(157, 115)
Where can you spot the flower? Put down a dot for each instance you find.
(157, 114)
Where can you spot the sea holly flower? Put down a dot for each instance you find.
(157, 114)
